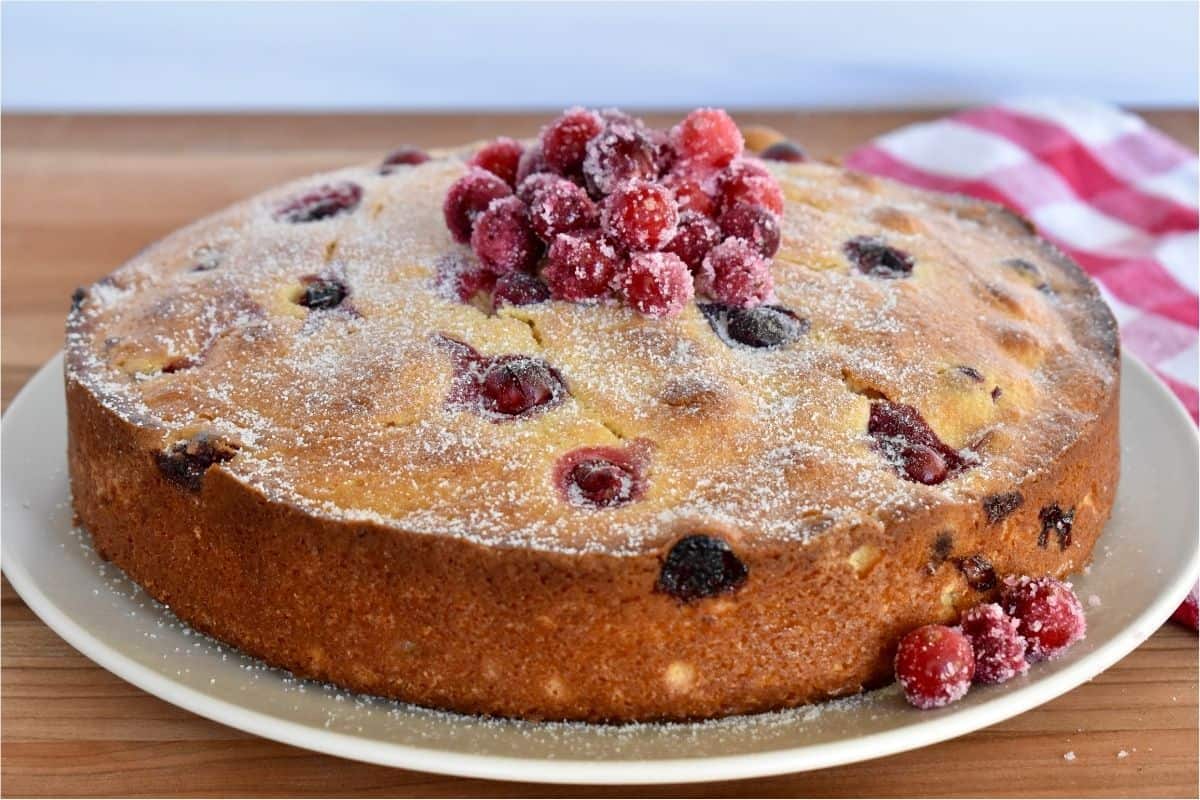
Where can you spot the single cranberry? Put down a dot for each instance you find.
(998, 646)
(912, 447)
(467, 198)
(402, 157)
(657, 284)
(1187, 613)
(564, 141)
(531, 162)
(1049, 615)
(503, 238)
(664, 152)
(707, 136)
(934, 665)
(690, 193)
(534, 183)
(978, 572)
(999, 506)
(694, 237)
(518, 384)
(620, 153)
(640, 215)
(786, 151)
(755, 224)
(1054, 519)
(923, 464)
(748, 181)
(501, 158)
(561, 207)
(323, 293)
(185, 463)
(737, 274)
(323, 202)
(582, 266)
(761, 327)
(876, 258)
(519, 289)
(600, 477)
(461, 276)
(700, 566)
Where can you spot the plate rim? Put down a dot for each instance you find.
(939, 726)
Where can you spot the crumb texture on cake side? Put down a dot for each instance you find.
(272, 428)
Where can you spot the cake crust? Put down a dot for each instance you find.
(348, 523)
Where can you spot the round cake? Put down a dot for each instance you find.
(355, 428)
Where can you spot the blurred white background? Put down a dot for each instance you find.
(180, 56)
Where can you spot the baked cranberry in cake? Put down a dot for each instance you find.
(700, 566)
(785, 151)
(707, 137)
(755, 224)
(503, 237)
(515, 384)
(500, 157)
(977, 571)
(467, 198)
(910, 445)
(406, 156)
(878, 259)
(657, 284)
(764, 327)
(582, 266)
(999, 506)
(322, 293)
(185, 462)
(564, 141)
(561, 207)
(519, 289)
(1055, 520)
(323, 202)
(600, 477)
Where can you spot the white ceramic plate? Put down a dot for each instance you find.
(1143, 567)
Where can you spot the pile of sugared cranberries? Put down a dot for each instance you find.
(603, 208)
(1036, 619)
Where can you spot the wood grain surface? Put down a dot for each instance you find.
(81, 194)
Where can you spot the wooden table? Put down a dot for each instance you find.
(82, 194)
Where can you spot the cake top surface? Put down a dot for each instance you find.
(916, 349)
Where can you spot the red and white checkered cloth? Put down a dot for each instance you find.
(1113, 193)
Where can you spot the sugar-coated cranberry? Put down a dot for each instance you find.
(503, 238)
(690, 193)
(406, 156)
(700, 566)
(737, 274)
(461, 276)
(519, 289)
(1049, 615)
(910, 445)
(513, 385)
(467, 198)
(761, 327)
(748, 181)
(1187, 612)
(657, 284)
(755, 224)
(618, 154)
(323, 202)
(1054, 520)
(535, 182)
(532, 161)
(564, 141)
(786, 151)
(707, 136)
(640, 215)
(501, 158)
(664, 152)
(876, 258)
(934, 665)
(695, 236)
(185, 463)
(998, 646)
(582, 266)
(323, 293)
(561, 207)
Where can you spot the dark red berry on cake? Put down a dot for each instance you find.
(755, 224)
(700, 566)
(923, 464)
(657, 284)
(978, 572)
(501, 158)
(519, 289)
(690, 193)
(461, 277)
(531, 185)
(640, 215)
(761, 327)
(512, 385)
(996, 643)
(77, 298)
(619, 154)
(749, 182)
(873, 256)
(1054, 520)
(582, 266)
(467, 198)
(736, 274)
(1187, 613)
(695, 235)
(323, 202)
(934, 666)
(1048, 614)
(999, 506)
(402, 157)
(707, 136)
(503, 239)
(564, 141)
(561, 207)
(600, 477)
(910, 445)
(185, 463)
(322, 293)
(532, 161)
(788, 152)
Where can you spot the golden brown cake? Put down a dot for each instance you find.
(275, 429)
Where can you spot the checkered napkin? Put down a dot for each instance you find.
(1110, 191)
